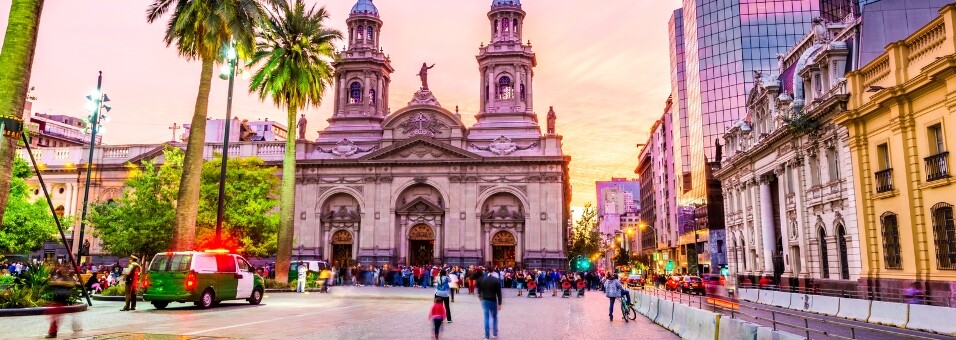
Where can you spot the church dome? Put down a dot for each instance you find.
(364, 7)
(515, 3)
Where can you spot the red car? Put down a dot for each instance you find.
(673, 283)
(692, 285)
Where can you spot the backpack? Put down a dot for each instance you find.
(443, 286)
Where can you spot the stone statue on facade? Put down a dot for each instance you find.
(301, 126)
(819, 29)
(552, 118)
(423, 74)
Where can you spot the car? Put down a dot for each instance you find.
(203, 278)
(673, 283)
(313, 265)
(635, 281)
(715, 280)
(692, 285)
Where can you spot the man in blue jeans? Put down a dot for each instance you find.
(489, 292)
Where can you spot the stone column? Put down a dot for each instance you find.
(343, 93)
(492, 88)
(365, 97)
(782, 184)
(378, 97)
(766, 224)
(403, 241)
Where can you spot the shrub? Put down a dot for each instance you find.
(19, 297)
(7, 280)
(114, 290)
(273, 284)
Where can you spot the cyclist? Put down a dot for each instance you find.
(613, 290)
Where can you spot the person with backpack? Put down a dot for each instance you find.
(612, 289)
(443, 291)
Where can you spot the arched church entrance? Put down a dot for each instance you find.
(421, 245)
(342, 248)
(503, 249)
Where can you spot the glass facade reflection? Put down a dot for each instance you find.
(679, 92)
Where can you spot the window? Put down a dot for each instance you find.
(515, 25)
(371, 96)
(720, 247)
(891, 241)
(945, 234)
(496, 26)
(505, 88)
(507, 26)
(883, 156)
(743, 252)
(522, 92)
(814, 170)
(824, 255)
(225, 263)
(935, 135)
(371, 33)
(844, 253)
(833, 164)
(243, 265)
(361, 32)
(355, 93)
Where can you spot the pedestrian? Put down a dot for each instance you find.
(612, 289)
(131, 278)
(437, 314)
(443, 291)
(913, 295)
(489, 292)
(453, 283)
(61, 285)
(303, 271)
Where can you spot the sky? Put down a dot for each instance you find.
(603, 65)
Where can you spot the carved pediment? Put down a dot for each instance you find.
(420, 206)
(420, 149)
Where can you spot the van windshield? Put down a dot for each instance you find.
(167, 263)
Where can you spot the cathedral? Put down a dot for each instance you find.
(416, 185)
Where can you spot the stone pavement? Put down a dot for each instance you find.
(322, 316)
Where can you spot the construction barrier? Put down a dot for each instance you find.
(665, 314)
(645, 304)
(701, 325)
(934, 319)
(855, 309)
(827, 305)
(889, 313)
(680, 320)
(766, 333)
(781, 299)
(653, 308)
(747, 294)
(736, 329)
(765, 296)
(801, 302)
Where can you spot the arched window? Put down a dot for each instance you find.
(355, 93)
(505, 88)
(371, 33)
(743, 251)
(824, 254)
(945, 234)
(522, 92)
(891, 241)
(515, 25)
(371, 96)
(496, 26)
(487, 93)
(507, 26)
(361, 32)
(844, 256)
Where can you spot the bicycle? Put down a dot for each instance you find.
(627, 310)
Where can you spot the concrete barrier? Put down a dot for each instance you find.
(890, 313)
(736, 329)
(781, 299)
(665, 314)
(747, 294)
(681, 319)
(765, 296)
(827, 305)
(653, 308)
(766, 333)
(934, 319)
(645, 304)
(801, 302)
(702, 325)
(855, 309)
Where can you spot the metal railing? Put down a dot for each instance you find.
(884, 180)
(875, 294)
(936, 166)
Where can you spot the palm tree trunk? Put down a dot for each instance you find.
(187, 202)
(287, 203)
(16, 63)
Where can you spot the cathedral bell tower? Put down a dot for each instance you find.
(362, 76)
(506, 67)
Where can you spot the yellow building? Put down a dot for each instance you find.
(902, 125)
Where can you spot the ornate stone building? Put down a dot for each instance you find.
(787, 178)
(417, 185)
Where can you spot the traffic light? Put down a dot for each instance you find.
(583, 264)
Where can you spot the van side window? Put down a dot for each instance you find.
(226, 263)
(180, 263)
(243, 265)
(159, 263)
(205, 263)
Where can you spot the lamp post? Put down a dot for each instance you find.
(97, 101)
(232, 61)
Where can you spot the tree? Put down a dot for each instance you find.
(294, 54)
(26, 224)
(16, 65)
(250, 219)
(201, 30)
(585, 239)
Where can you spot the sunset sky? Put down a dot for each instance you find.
(603, 65)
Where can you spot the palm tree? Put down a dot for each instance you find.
(16, 64)
(202, 29)
(294, 53)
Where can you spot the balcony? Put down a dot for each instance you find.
(936, 167)
(884, 180)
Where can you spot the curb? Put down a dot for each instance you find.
(41, 310)
(98, 297)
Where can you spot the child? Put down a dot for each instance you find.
(437, 315)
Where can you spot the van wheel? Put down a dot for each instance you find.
(160, 304)
(256, 297)
(206, 300)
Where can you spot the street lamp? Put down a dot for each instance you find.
(228, 72)
(97, 103)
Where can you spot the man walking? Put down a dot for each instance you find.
(131, 278)
(612, 289)
(489, 292)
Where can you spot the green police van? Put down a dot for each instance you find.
(204, 278)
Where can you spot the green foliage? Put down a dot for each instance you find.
(250, 220)
(273, 284)
(7, 280)
(19, 297)
(200, 29)
(26, 224)
(114, 290)
(801, 123)
(585, 239)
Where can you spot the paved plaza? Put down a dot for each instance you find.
(372, 315)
